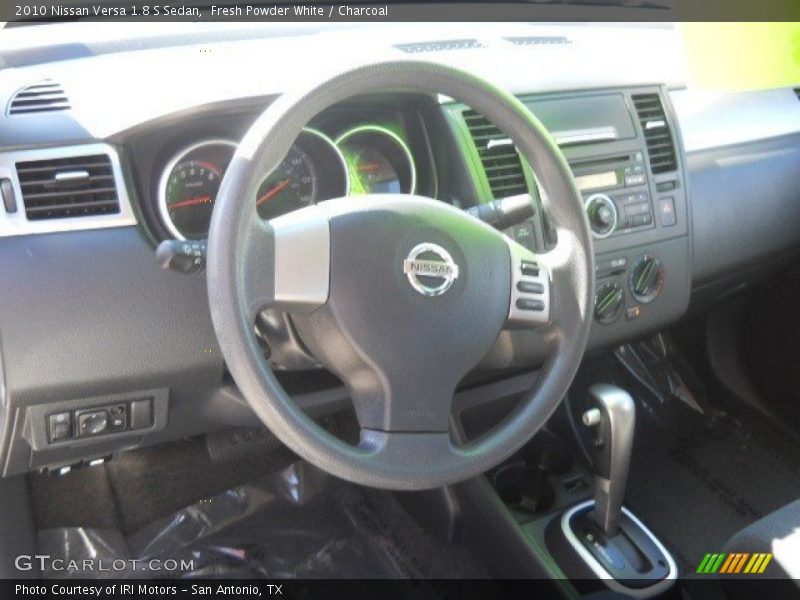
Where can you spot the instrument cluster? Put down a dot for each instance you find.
(367, 159)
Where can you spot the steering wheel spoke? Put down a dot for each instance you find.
(400, 449)
(301, 267)
(402, 401)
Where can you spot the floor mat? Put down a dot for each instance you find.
(698, 486)
(299, 523)
(138, 487)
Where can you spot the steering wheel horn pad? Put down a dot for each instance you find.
(403, 352)
(399, 295)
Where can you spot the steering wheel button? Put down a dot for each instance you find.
(529, 268)
(530, 287)
(530, 304)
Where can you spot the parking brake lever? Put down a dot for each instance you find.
(613, 417)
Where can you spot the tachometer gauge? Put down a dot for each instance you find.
(189, 187)
(378, 161)
(291, 186)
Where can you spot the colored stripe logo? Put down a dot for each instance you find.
(734, 563)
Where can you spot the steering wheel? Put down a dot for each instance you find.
(398, 295)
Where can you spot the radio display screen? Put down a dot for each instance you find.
(597, 180)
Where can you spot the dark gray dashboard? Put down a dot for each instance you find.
(89, 321)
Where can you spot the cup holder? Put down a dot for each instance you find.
(523, 483)
(524, 487)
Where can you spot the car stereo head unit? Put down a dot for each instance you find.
(615, 193)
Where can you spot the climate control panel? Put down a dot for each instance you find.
(624, 287)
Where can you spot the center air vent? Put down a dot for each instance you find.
(41, 97)
(657, 134)
(498, 155)
(439, 45)
(68, 187)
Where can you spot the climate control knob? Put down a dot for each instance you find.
(646, 278)
(609, 302)
(602, 213)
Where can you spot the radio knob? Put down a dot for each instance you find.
(609, 302)
(647, 278)
(602, 213)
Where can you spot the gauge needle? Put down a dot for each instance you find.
(191, 202)
(210, 166)
(272, 191)
(369, 167)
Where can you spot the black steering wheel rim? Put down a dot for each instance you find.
(391, 460)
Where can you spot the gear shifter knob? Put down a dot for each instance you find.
(613, 414)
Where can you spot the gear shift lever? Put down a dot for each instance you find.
(616, 546)
(614, 418)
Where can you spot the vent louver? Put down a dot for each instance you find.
(439, 45)
(500, 160)
(68, 187)
(45, 96)
(539, 40)
(657, 134)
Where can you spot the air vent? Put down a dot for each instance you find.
(657, 134)
(68, 187)
(439, 46)
(41, 97)
(499, 157)
(539, 40)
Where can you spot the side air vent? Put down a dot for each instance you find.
(539, 40)
(657, 134)
(499, 157)
(68, 187)
(46, 96)
(439, 46)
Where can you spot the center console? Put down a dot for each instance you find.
(631, 178)
(557, 521)
(624, 148)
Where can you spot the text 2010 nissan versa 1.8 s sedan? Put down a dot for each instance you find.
(502, 301)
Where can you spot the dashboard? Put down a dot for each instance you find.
(89, 322)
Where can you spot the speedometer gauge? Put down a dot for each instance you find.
(291, 186)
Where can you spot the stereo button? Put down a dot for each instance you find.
(634, 179)
(637, 209)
